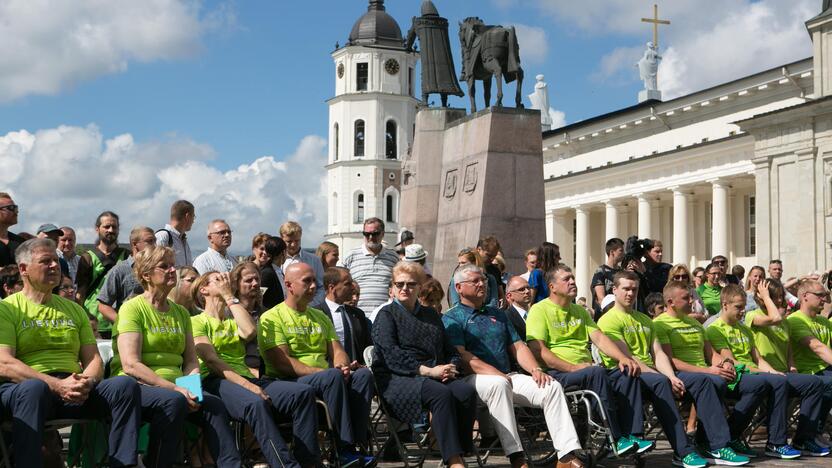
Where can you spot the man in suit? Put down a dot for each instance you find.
(351, 324)
(519, 297)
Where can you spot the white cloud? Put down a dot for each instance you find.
(49, 45)
(558, 117)
(67, 175)
(534, 45)
(707, 42)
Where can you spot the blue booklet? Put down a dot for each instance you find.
(192, 383)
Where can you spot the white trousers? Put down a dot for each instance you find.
(500, 397)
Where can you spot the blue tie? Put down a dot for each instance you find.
(345, 320)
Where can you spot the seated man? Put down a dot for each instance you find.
(734, 341)
(683, 341)
(558, 333)
(519, 298)
(811, 337)
(298, 343)
(43, 338)
(633, 333)
(351, 324)
(488, 343)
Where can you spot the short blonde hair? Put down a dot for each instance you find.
(145, 261)
(676, 270)
(730, 292)
(197, 297)
(412, 268)
(290, 228)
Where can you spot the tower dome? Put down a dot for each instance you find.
(376, 28)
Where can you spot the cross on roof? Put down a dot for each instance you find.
(656, 22)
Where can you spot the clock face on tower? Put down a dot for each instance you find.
(391, 66)
(340, 70)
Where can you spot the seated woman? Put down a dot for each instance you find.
(153, 343)
(220, 334)
(416, 367)
(269, 253)
(181, 293)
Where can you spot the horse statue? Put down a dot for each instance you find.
(489, 51)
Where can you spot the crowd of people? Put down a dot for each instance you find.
(270, 334)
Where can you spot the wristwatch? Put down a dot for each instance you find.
(232, 301)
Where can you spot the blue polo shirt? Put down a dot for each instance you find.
(487, 333)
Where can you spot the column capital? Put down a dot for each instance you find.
(683, 189)
(581, 208)
(611, 202)
(558, 212)
(719, 182)
(761, 162)
(648, 196)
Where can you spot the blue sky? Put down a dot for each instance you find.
(223, 102)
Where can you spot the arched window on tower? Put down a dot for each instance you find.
(361, 76)
(359, 207)
(359, 138)
(390, 151)
(391, 205)
(337, 141)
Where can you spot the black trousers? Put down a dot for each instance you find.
(453, 406)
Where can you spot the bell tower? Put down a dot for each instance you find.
(371, 120)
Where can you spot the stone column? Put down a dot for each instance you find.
(680, 226)
(582, 250)
(719, 224)
(645, 208)
(612, 219)
(762, 198)
(550, 226)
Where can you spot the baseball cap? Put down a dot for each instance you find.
(47, 228)
(405, 236)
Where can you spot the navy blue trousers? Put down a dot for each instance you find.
(293, 401)
(749, 393)
(825, 377)
(453, 406)
(348, 401)
(31, 404)
(656, 388)
(707, 392)
(167, 410)
(810, 391)
(594, 378)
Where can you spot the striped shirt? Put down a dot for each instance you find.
(373, 274)
(211, 260)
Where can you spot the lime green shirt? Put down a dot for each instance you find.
(685, 335)
(736, 338)
(308, 335)
(802, 326)
(227, 343)
(46, 337)
(163, 336)
(771, 341)
(710, 297)
(635, 329)
(565, 331)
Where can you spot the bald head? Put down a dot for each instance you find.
(518, 292)
(300, 285)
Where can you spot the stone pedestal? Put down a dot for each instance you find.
(490, 182)
(649, 95)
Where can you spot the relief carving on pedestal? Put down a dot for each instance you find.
(470, 182)
(450, 183)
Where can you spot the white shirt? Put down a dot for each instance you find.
(179, 245)
(337, 320)
(211, 260)
(526, 275)
(523, 313)
(375, 311)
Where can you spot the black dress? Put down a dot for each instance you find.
(274, 292)
(404, 341)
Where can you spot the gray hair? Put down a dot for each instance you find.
(215, 221)
(23, 254)
(461, 272)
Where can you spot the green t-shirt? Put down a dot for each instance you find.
(801, 326)
(307, 334)
(710, 297)
(163, 336)
(46, 337)
(565, 331)
(635, 329)
(736, 338)
(685, 336)
(771, 341)
(227, 343)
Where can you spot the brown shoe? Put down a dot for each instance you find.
(573, 462)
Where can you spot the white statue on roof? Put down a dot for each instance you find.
(648, 67)
(540, 101)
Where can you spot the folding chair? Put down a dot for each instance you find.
(52, 425)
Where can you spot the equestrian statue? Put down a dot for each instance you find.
(489, 51)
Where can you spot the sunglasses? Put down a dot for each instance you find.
(12, 208)
(372, 233)
(402, 284)
(682, 277)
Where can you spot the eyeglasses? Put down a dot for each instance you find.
(224, 232)
(165, 267)
(822, 295)
(67, 288)
(521, 289)
(474, 281)
(682, 277)
(372, 233)
(402, 284)
(12, 208)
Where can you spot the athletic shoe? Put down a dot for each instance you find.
(811, 448)
(741, 448)
(624, 446)
(691, 460)
(823, 441)
(727, 456)
(350, 459)
(785, 451)
(369, 460)
(642, 445)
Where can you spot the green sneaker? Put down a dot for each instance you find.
(727, 456)
(624, 446)
(741, 448)
(642, 445)
(691, 460)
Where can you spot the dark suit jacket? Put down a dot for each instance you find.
(360, 327)
(516, 320)
(274, 292)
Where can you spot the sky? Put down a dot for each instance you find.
(128, 106)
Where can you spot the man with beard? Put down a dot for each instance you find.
(8, 218)
(96, 263)
(371, 266)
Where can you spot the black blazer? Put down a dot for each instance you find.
(361, 329)
(274, 292)
(516, 320)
